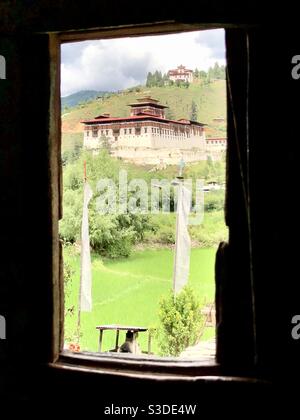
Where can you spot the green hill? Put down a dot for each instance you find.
(79, 97)
(210, 100)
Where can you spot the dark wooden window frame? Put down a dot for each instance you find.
(117, 365)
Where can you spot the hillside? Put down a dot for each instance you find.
(78, 97)
(210, 100)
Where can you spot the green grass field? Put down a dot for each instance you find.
(128, 291)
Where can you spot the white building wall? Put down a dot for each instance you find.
(172, 141)
(183, 77)
(89, 141)
(149, 137)
(93, 142)
(216, 145)
(162, 141)
(132, 140)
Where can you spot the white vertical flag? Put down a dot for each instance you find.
(86, 270)
(183, 241)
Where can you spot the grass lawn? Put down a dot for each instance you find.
(128, 291)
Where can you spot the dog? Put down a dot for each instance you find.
(130, 345)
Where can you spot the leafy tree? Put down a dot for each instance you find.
(214, 200)
(216, 72)
(111, 235)
(180, 321)
(202, 74)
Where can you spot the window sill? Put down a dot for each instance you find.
(153, 370)
(137, 366)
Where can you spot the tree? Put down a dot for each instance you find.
(149, 82)
(166, 80)
(194, 111)
(202, 74)
(111, 235)
(180, 321)
(158, 80)
(216, 70)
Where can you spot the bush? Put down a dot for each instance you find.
(211, 232)
(180, 319)
(166, 235)
(163, 229)
(214, 200)
(108, 238)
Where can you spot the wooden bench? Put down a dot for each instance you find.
(119, 328)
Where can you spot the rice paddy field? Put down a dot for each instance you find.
(128, 291)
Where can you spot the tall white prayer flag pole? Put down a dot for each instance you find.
(182, 241)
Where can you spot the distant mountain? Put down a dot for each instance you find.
(78, 97)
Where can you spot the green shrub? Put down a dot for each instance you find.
(214, 200)
(108, 238)
(166, 235)
(180, 322)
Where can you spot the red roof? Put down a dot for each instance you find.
(138, 118)
(141, 104)
(179, 69)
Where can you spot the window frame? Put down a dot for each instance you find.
(85, 361)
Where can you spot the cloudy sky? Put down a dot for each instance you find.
(115, 64)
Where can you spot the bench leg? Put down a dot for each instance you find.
(100, 341)
(117, 340)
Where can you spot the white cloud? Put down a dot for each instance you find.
(120, 63)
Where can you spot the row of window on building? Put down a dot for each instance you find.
(137, 131)
(221, 141)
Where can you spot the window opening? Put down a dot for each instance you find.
(143, 215)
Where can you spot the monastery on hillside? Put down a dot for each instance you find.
(147, 136)
(181, 73)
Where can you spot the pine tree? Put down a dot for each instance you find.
(194, 111)
(149, 82)
(216, 71)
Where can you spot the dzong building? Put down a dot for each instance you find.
(146, 135)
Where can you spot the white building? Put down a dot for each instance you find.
(181, 73)
(218, 144)
(146, 134)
